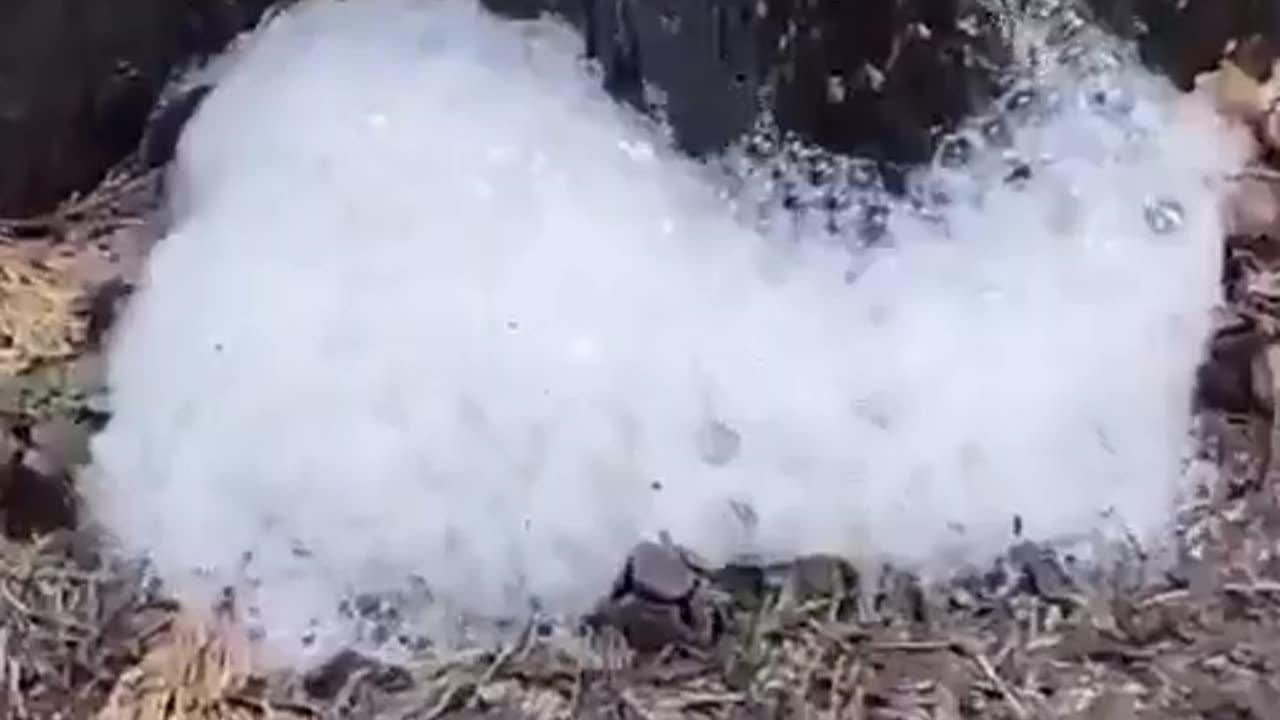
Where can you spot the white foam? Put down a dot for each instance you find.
(434, 306)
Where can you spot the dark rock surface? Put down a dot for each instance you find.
(1181, 38)
(879, 78)
(658, 600)
(79, 80)
(702, 60)
(882, 79)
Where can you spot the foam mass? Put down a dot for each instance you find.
(435, 312)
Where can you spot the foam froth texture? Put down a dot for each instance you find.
(437, 316)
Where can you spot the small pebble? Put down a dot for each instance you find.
(660, 573)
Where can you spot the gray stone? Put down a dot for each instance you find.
(1042, 572)
(659, 600)
(660, 573)
(821, 576)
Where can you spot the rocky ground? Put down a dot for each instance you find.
(1035, 637)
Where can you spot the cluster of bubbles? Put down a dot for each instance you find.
(794, 191)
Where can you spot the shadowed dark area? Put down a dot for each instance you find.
(1181, 38)
(79, 79)
(881, 79)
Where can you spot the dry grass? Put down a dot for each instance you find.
(81, 637)
(83, 640)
